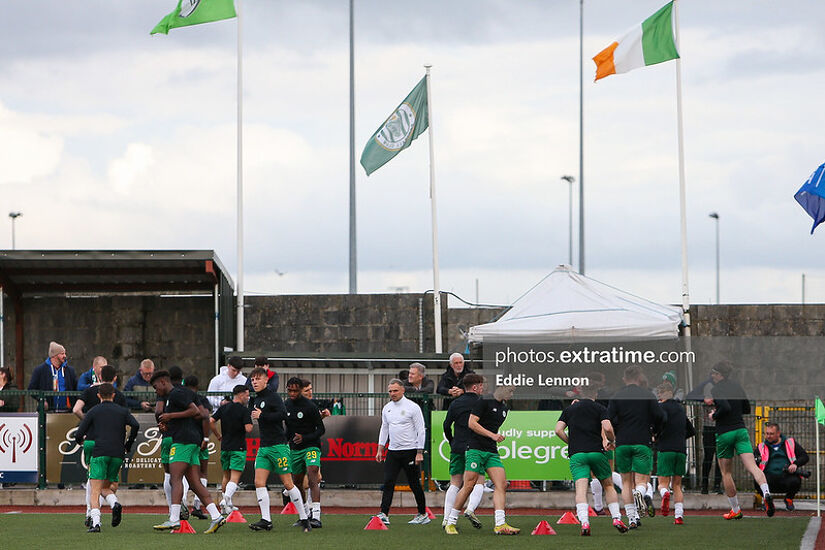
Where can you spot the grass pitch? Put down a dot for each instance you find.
(21, 531)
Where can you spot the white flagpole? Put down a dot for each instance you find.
(436, 287)
(682, 206)
(818, 458)
(239, 346)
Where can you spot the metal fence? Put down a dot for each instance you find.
(796, 419)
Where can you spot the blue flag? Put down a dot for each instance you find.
(811, 196)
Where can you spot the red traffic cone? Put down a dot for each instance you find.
(429, 513)
(289, 509)
(235, 517)
(568, 519)
(375, 524)
(185, 528)
(543, 528)
(591, 512)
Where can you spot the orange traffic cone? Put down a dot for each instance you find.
(185, 528)
(289, 509)
(429, 513)
(543, 528)
(568, 519)
(235, 517)
(591, 512)
(375, 524)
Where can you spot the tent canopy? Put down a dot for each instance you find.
(568, 307)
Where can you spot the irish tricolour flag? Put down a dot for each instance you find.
(645, 44)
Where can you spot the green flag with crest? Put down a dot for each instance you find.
(195, 12)
(405, 124)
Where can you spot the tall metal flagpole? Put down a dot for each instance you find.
(818, 458)
(436, 287)
(239, 346)
(682, 200)
(581, 138)
(353, 250)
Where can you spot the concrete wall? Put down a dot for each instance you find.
(363, 323)
(759, 320)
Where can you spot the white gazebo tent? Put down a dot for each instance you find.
(566, 307)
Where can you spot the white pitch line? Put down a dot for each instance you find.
(809, 538)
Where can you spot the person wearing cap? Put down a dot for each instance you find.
(730, 404)
(55, 374)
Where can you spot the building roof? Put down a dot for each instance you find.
(33, 272)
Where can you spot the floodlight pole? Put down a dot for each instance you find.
(14, 216)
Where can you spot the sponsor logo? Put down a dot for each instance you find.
(338, 449)
(16, 440)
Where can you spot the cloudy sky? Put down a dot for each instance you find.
(114, 139)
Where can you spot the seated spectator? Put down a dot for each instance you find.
(8, 403)
(226, 380)
(55, 374)
(780, 458)
(92, 376)
(450, 382)
(140, 382)
(417, 380)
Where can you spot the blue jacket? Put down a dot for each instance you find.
(42, 380)
(136, 380)
(86, 380)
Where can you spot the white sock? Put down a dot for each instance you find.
(95, 512)
(197, 502)
(263, 502)
(663, 491)
(453, 516)
(475, 497)
(679, 510)
(88, 497)
(185, 490)
(308, 498)
(174, 513)
(316, 510)
(449, 499)
(499, 517)
(298, 501)
(617, 480)
(100, 501)
(596, 489)
(649, 490)
(167, 488)
(231, 487)
(734, 503)
(630, 511)
(765, 489)
(111, 500)
(581, 512)
(615, 511)
(213, 511)
(641, 489)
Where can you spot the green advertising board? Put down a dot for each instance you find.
(531, 449)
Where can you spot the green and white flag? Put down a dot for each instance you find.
(405, 124)
(820, 411)
(195, 12)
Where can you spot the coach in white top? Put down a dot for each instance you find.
(403, 423)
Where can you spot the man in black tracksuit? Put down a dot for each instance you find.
(273, 454)
(458, 415)
(732, 437)
(106, 423)
(672, 458)
(304, 428)
(633, 411)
